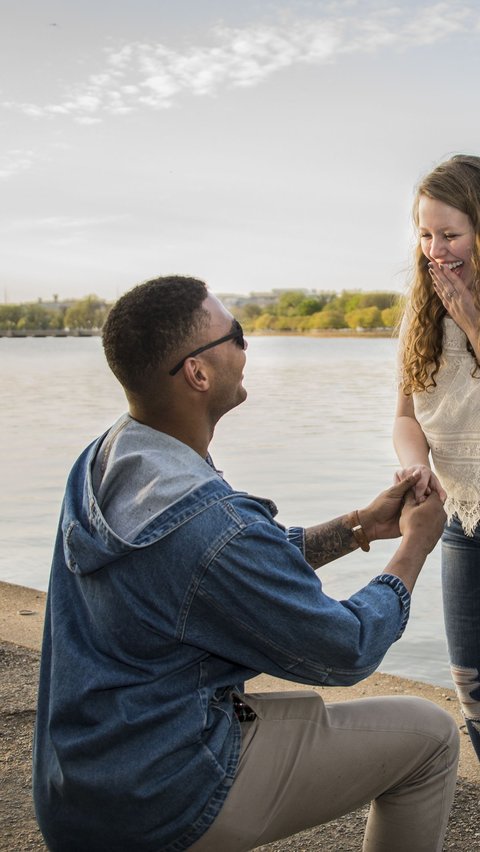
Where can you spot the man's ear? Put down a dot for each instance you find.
(196, 374)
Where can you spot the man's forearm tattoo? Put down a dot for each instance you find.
(329, 541)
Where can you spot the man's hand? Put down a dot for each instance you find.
(422, 524)
(381, 519)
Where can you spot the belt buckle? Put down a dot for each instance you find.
(243, 712)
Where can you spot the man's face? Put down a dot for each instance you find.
(226, 361)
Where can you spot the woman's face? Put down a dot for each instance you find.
(446, 236)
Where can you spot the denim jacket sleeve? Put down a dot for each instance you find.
(264, 606)
(296, 536)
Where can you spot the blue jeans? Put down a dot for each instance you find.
(461, 604)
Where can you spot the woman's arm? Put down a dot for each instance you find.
(412, 449)
(408, 439)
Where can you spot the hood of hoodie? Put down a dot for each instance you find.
(125, 481)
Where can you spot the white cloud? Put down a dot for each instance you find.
(152, 75)
(66, 223)
(434, 23)
(14, 162)
(85, 119)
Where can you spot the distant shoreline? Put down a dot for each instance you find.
(21, 334)
(326, 332)
(86, 332)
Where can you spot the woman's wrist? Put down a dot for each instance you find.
(415, 465)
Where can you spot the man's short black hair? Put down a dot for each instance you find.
(150, 323)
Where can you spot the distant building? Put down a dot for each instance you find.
(235, 300)
(56, 305)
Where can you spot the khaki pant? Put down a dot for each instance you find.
(304, 763)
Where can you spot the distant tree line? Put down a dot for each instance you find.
(87, 313)
(296, 311)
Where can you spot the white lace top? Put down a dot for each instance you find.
(449, 415)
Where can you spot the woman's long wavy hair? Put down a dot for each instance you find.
(455, 182)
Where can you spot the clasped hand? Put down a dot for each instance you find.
(396, 512)
(425, 484)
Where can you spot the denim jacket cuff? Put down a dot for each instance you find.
(396, 584)
(296, 536)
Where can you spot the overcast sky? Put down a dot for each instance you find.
(254, 144)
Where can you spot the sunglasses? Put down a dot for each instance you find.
(236, 334)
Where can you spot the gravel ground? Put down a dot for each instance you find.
(18, 830)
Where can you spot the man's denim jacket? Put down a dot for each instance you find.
(136, 742)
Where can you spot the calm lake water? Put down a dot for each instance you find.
(314, 435)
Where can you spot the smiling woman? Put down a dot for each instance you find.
(438, 410)
(447, 239)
